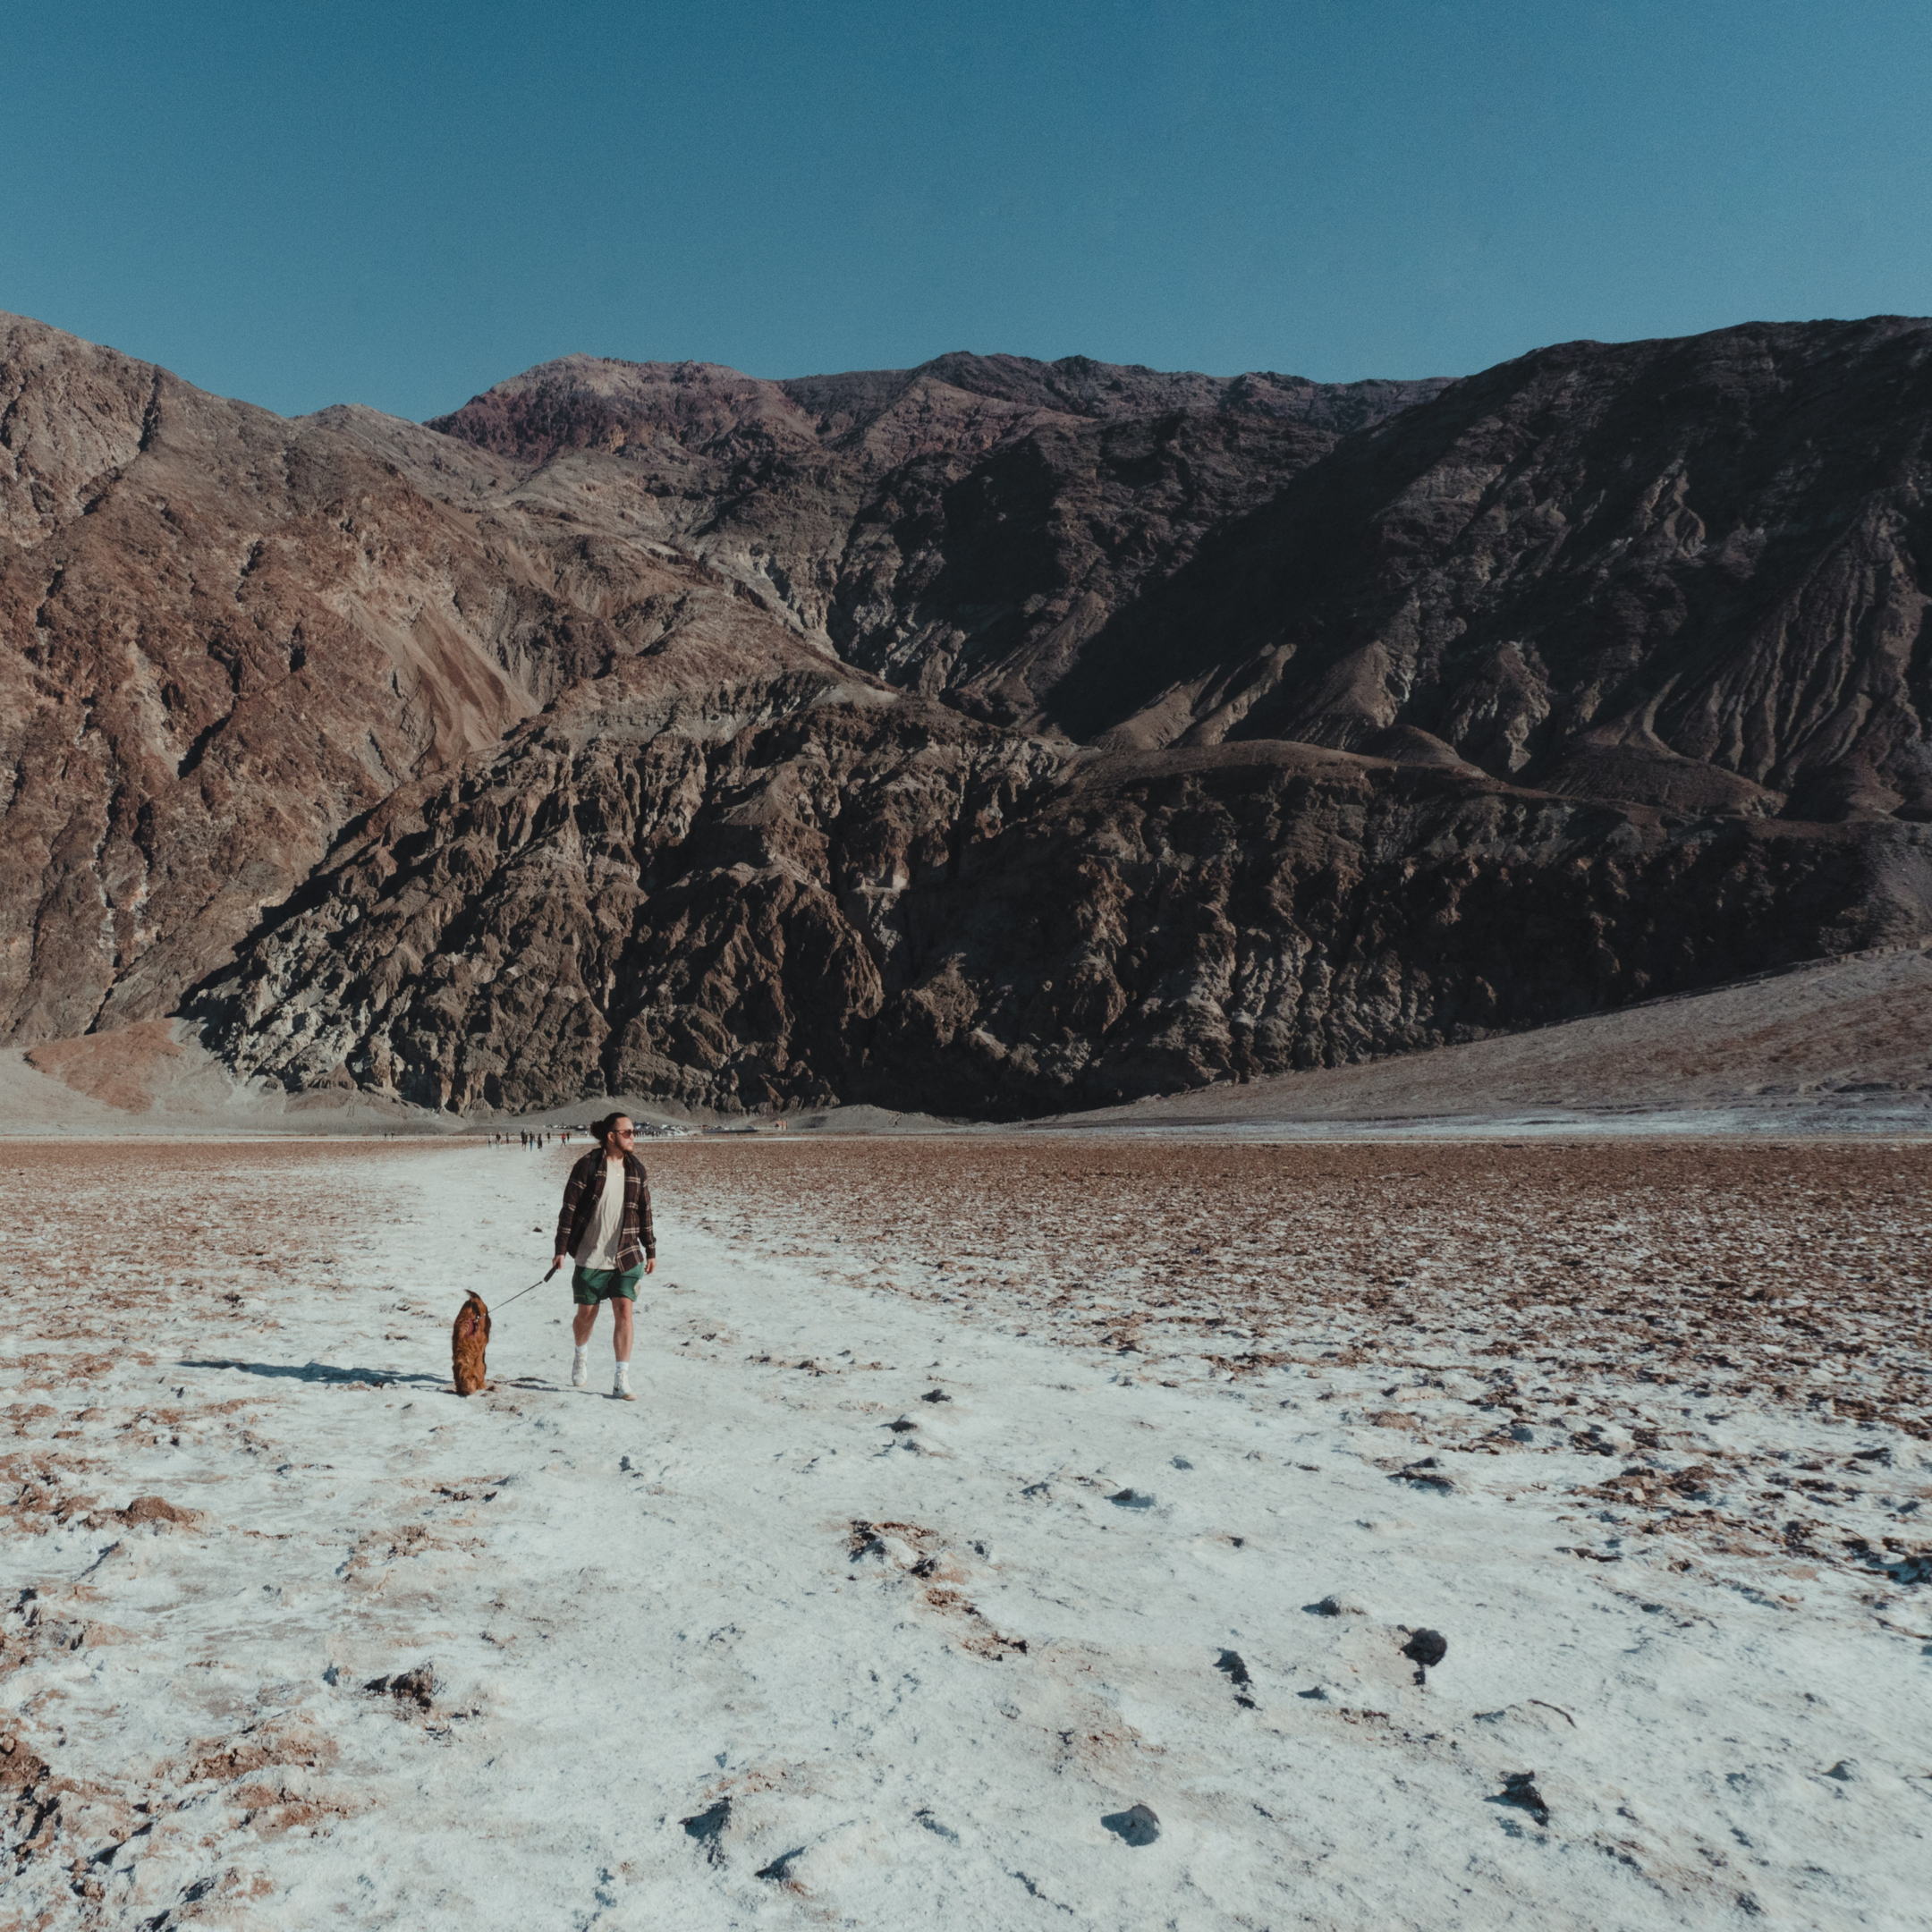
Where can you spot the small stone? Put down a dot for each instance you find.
(935, 1394)
(1137, 1825)
(416, 1687)
(1425, 1475)
(1340, 1604)
(707, 1828)
(1230, 1664)
(1518, 1788)
(1131, 1499)
(154, 1509)
(1427, 1647)
(1846, 1771)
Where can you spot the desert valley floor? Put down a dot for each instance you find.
(982, 1490)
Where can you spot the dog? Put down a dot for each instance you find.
(467, 1340)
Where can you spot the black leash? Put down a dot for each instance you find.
(521, 1292)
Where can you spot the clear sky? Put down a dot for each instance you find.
(400, 203)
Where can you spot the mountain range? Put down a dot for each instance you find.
(991, 737)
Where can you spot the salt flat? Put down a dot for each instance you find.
(1641, 1431)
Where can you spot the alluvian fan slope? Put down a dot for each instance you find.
(993, 736)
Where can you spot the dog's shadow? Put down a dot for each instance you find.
(315, 1371)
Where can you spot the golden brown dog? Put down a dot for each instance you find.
(467, 1340)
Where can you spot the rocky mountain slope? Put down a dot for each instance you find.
(962, 527)
(225, 636)
(993, 736)
(1581, 569)
(803, 890)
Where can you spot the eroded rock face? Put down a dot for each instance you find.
(224, 636)
(1680, 572)
(965, 527)
(990, 738)
(802, 892)
(1687, 572)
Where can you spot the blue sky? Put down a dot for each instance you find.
(400, 204)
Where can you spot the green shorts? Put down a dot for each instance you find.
(591, 1285)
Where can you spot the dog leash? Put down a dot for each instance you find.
(521, 1292)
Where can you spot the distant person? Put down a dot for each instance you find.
(604, 1227)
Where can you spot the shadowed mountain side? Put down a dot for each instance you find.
(802, 890)
(1687, 573)
(1835, 1043)
(961, 527)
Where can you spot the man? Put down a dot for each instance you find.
(604, 1227)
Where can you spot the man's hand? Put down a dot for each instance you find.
(650, 1263)
(558, 1263)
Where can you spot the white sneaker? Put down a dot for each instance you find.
(621, 1389)
(580, 1368)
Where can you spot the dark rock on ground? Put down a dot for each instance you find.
(1137, 1825)
(864, 1540)
(707, 1828)
(1426, 1648)
(1232, 1666)
(1519, 1789)
(416, 1686)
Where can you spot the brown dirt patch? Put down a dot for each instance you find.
(119, 1069)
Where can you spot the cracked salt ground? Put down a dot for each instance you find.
(725, 1656)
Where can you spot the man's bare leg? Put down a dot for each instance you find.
(621, 1316)
(585, 1322)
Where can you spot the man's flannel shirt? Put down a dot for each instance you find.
(581, 1192)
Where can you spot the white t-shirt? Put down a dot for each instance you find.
(605, 1235)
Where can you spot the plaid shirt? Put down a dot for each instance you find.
(581, 1195)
